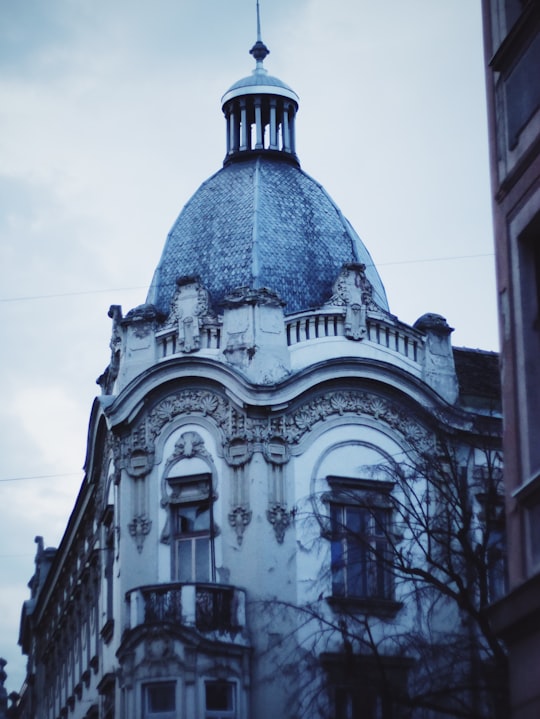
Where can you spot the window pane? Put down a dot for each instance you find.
(202, 559)
(379, 521)
(381, 586)
(184, 568)
(336, 515)
(160, 697)
(356, 521)
(338, 575)
(219, 696)
(202, 519)
(192, 519)
(193, 559)
(356, 570)
(344, 708)
(522, 92)
(359, 552)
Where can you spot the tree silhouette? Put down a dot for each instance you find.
(411, 558)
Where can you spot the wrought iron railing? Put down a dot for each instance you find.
(208, 607)
(162, 604)
(215, 609)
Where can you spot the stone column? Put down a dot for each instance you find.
(258, 125)
(273, 124)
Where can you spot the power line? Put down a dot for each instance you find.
(39, 476)
(69, 294)
(434, 259)
(28, 298)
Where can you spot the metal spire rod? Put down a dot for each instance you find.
(259, 39)
(259, 50)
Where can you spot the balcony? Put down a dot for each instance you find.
(215, 610)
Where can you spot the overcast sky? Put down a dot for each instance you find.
(110, 119)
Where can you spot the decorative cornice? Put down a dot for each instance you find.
(275, 435)
(347, 403)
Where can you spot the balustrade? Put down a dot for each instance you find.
(317, 325)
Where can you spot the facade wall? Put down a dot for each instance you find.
(512, 49)
(269, 620)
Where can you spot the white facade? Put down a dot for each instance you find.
(229, 554)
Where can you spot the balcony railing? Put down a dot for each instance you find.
(308, 326)
(169, 343)
(210, 608)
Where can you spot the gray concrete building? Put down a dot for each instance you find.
(512, 52)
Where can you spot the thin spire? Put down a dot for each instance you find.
(259, 38)
(259, 50)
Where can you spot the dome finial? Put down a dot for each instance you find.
(259, 50)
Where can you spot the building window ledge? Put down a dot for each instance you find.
(357, 605)
(530, 487)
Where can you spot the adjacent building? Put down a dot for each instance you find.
(291, 501)
(512, 49)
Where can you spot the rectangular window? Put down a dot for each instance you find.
(220, 700)
(493, 528)
(522, 91)
(527, 347)
(192, 529)
(359, 548)
(192, 543)
(351, 704)
(159, 700)
(367, 687)
(361, 538)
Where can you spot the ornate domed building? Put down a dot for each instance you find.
(243, 543)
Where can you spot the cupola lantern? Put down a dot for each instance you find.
(260, 111)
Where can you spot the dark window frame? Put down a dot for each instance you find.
(151, 712)
(191, 493)
(361, 522)
(221, 712)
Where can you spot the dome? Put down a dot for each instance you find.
(261, 223)
(259, 82)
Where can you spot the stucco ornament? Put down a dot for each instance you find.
(190, 402)
(189, 306)
(280, 518)
(239, 518)
(242, 434)
(137, 453)
(139, 528)
(354, 292)
(356, 403)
